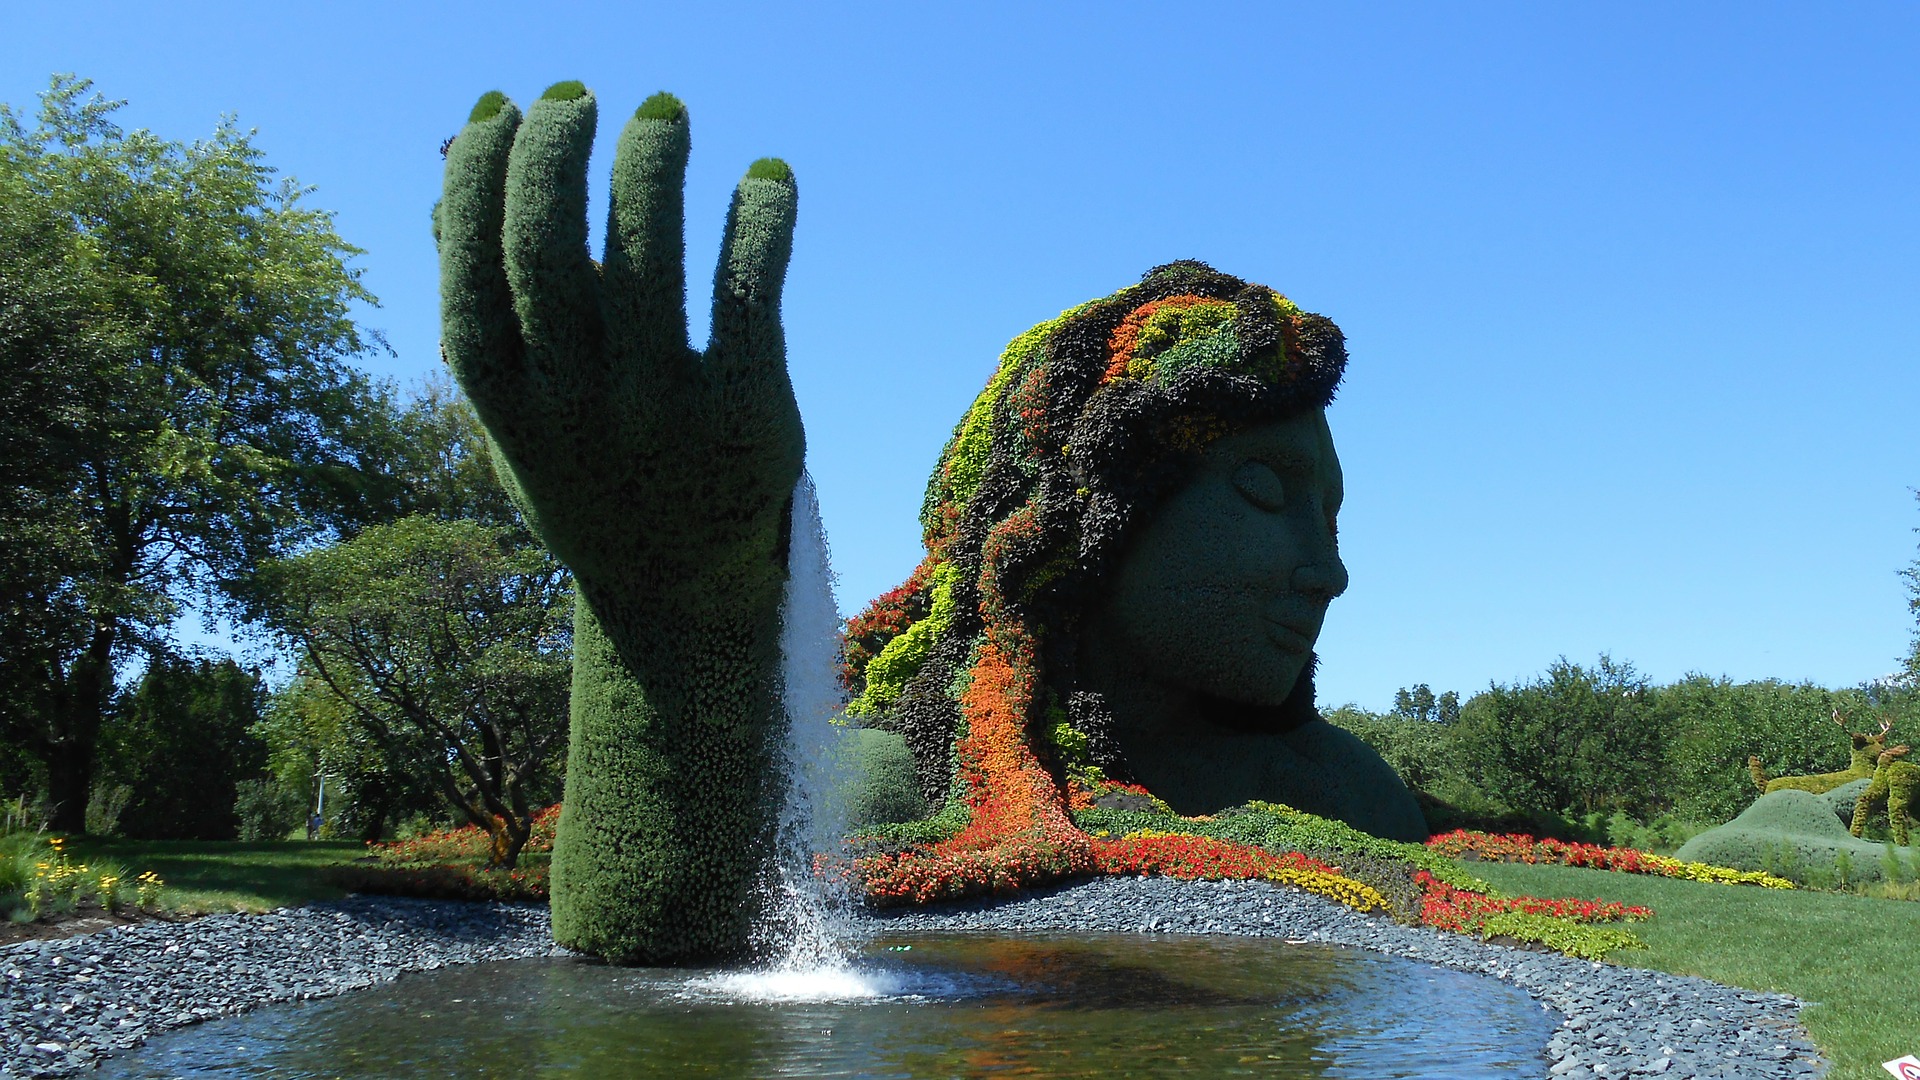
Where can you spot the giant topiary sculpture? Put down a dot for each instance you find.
(1130, 548)
(660, 476)
(1130, 551)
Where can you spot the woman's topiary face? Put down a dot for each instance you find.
(1222, 589)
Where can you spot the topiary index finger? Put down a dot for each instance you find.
(556, 290)
(644, 272)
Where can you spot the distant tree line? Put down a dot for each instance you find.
(182, 428)
(1580, 747)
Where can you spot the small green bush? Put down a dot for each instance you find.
(268, 809)
(886, 790)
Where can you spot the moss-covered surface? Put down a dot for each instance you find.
(1053, 576)
(661, 477)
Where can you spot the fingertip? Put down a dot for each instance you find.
(568, 90)
(489, 106)
(770, 168)
(662, 106)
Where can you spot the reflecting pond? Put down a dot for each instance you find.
(918, 1006)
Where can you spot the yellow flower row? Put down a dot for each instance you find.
(1717, 875)
(1357, 895)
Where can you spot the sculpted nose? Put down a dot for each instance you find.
(1324, 577)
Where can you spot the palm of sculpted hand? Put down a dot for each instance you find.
(641, 463)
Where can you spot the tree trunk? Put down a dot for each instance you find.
(506, 835)
(76, 732)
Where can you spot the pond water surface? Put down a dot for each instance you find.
(919, 1006)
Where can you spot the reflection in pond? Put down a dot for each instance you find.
(961, 1006)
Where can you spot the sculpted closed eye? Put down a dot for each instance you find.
(1261, 485)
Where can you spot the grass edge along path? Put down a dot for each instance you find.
(1855, 959)
(207, 876)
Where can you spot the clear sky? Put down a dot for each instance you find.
(1629, 289)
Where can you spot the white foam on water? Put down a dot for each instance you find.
(865, 982)
(819, 984)
(808, 929)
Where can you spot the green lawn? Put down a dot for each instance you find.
(211, 875)
(1857, 958)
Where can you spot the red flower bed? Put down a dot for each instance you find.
(1517, 847)
(1019, 833)
(1451, 908)
(465, 843)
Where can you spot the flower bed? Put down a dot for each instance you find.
(451, 864)
(1260, 841)
(1515, 847)
(39, 879)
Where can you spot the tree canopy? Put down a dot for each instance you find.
(178, 402)
(452, 631)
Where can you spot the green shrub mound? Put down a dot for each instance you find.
(885, 789)
(1801, 836)
(661, 477)
(1843, 799)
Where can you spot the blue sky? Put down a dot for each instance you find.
(1629, 289)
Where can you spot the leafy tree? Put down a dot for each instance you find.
(56, 324)
(1576, 740)
(1715, 724)
(440, 464)
(179, 403)
(1421, 751)
(374, 774)
(182, 739)
(432, 458)
(450, 630)
(1419, 703)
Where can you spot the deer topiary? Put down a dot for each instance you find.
(1866, 753)
(1895, 783)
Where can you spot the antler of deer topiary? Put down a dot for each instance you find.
(1866, 752)
(1895, 783)
(660, 476)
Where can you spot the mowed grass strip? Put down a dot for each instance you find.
(1856, 958)
(205, 876)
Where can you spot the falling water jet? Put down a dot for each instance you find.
(807, 934)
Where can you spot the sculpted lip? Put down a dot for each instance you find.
(1292, 635)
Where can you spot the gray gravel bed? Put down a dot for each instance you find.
(66, 1003)
(1619, 1021)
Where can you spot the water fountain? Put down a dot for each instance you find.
(671, 855)
(835, 993)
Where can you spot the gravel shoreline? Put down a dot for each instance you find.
(66, 1003)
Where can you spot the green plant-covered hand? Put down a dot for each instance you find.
(659, 475)
(582, 372)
